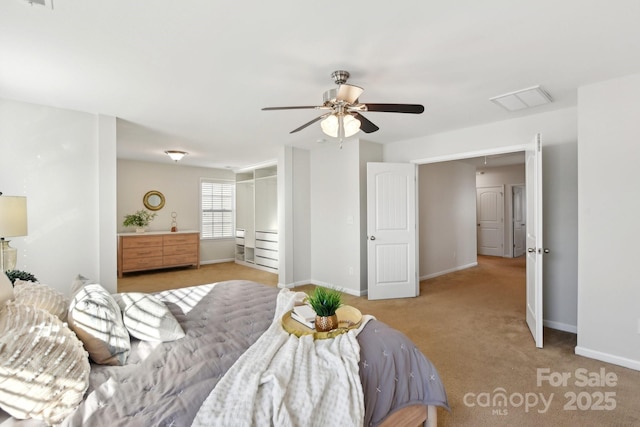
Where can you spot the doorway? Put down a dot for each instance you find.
(442, 214)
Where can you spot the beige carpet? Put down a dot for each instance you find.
(471, 325)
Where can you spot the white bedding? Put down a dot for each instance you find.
(284, 380)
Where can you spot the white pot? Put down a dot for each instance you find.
(139, 229)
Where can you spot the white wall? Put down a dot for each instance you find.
(608, 153)
(301, 250)
(559, 140)
(508, 176)
(447, 208)
(52, 156)
(180, 185)
(335, 216)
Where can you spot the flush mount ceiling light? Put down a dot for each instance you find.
(521, 99)
(176, 155)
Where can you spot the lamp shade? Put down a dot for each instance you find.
(13, 216)
(331, 125)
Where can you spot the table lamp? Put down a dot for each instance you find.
(13, 223)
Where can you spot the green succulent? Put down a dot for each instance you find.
(325, 301)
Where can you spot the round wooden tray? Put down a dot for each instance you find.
(348, 318)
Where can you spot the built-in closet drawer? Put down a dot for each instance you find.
(266, 262)
(267, 235)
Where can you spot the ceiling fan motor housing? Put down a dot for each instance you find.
(340, 76)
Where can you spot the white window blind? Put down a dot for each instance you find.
(217, 209)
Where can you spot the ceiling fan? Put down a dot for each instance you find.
(344, 111)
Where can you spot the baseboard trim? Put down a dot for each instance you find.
(344, 290)
(451, 270)
(609, 358)
(217, 261)
(292, 285)
(560, 326)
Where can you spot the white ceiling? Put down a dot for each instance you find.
(194, 74)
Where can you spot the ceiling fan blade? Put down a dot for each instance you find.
(396, 108)
(304, 107)
(349, 93)
(317, 119)
(366, 125)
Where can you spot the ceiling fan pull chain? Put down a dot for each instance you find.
(341, 128)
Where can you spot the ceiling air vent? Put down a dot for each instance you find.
(521, 99)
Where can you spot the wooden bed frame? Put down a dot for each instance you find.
(414, 415)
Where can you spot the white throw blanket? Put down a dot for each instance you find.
(284, 380)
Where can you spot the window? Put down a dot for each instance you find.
(216, 202)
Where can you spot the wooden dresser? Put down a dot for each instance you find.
(157, 249)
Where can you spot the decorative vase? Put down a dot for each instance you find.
(326, 323)
(139, 229)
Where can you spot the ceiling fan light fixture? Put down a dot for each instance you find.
(351, 125)
(176, 155)
(331, 125)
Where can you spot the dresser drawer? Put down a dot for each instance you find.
(180, 239)
(141, 241)
(180, 259)
(132, 264)
(148, 251)
(189, 250)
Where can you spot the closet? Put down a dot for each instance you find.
(257, 218)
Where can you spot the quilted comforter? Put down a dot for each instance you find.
(164, 384)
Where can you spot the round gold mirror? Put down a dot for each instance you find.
(153, 200)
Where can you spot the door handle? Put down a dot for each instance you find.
(372, 237)
(546, 250)
(531, 250)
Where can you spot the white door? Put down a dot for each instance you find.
(490, 217)
(519, 220)
(391, 230)
(533, 166)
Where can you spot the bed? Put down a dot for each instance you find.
(166, 383)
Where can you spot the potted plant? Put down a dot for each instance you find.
(325, 302)
(13, 275)
(139, 219)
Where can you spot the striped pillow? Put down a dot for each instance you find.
(44, 371)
